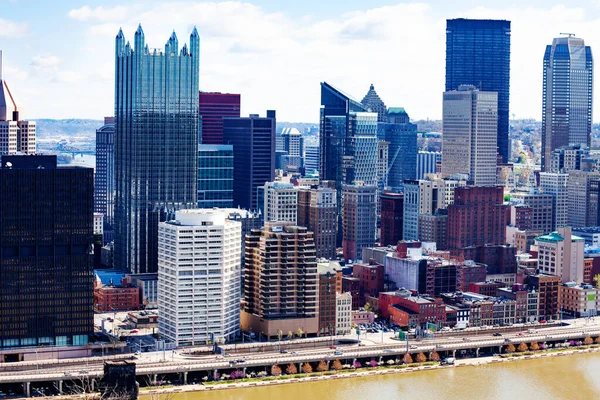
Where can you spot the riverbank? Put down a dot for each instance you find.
(363, 372)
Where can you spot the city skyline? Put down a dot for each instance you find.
(307, 50)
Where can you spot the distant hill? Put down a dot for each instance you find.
(49, 128)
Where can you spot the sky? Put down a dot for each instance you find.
(58, 56)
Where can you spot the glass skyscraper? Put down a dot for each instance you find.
(215, 176)
(478, 53)
(104, 179)
(567, 96)
(156, 147)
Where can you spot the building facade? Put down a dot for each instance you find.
(330, 285)
(427, 162)
(478, 53)
(156, 132)
(582, 209)
(253, 140)
(279, 202)
(542, 209)
(311, 159)
(215, 176)
(392, 217)
(567, 96)
(280, 281)
(317, 211)
(470, 124)
(46, 267)
(199, 277)
(373, 103)
(561, 253)
(104, 179)
(359, 219)
(556, 184)
(343, 313)
(212, 108)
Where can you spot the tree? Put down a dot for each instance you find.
(522, 347)
(588, 340)
(510, 348)
(291, 369)
(407, 359)
(275, 370)
(279, 334)
(290, 335)
(337, 365)
(322, 367)
(368, 307)
(306, 368)
(434, 356)
(597, 280)
(534, 346)
(598, 339)
(420, 358)
(299, 332)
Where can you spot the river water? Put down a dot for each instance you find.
(570, 377)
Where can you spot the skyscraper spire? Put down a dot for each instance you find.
(372, 101)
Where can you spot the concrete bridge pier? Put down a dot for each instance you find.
(477, 352)
(185, 375)
(60, 389)
(215, 372)
(27, 388)
(380, 359)
(499, 349)
(154, 378)
(454, 353)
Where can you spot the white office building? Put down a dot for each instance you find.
(199, 281)
(343, 313)
(279, 201)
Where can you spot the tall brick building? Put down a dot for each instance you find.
(477, 217)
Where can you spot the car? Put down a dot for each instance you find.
(445, 329)
(466, 339)
(338, 353)
(333, 347)
(412, 346)
(241, 361)
(283, 351)
(137, 353)
(133, 331)
(497, 334)
(543, 321)
(218, 357)
(520, 334)
(387, 351)
(361, 344)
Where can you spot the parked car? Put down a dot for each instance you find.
(333, 347)
(497, 334)
(338, 352)
(283, 351)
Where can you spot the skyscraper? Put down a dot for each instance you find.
(293, 145)
(16, 135)
(311, 159)
(215, 176)
(46, 228)
(156, 147)
(359, 219)
(392, 216)
(373, 103)
(104, 179)
(279, 201)
(213, 107)
(478, 53)
(427, 163)
(469, 140)
(199, 290)
(253, 140)
(567, 96)
(317, 211)
(556, 184)
(402, 149)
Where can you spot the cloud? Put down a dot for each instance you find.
(45, 62)
(99, 13)
(10, 29)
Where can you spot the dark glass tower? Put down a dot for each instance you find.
(215, 176)
(213, 108)
(253, 140)
(567, 96)
(46, 275)
(478, 53)
(156, 147)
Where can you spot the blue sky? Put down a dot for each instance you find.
(59, 55)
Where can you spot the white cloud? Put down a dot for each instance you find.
(46, 61)
(11, 29)
(99, 13)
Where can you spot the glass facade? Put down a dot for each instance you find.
(104, 179)
(567, 96)
(478, 53)
(253, 141)
(213, 108)
(46, 275)
(156, 158)
(215, 176)
(402, 149)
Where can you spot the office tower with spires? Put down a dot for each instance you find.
(567, 96)
(156, 146)
(373, 103)
(16, 135)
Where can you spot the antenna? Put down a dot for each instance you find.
(0, 65)
(568, 34)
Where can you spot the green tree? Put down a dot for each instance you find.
(291, 369)
(275, 370)
(337, 365)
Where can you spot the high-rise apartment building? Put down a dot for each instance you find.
(359, 219)
(567, 96)
(317, 211)
(215, 175)
(401, 135)
(46, 228)
(16, 135)
(104, 179)
(556, 184)
(477, 217)
(478, 53)
(427, 163)
(561, 253)
(213, 107)
(392, 217)
(199, 277)
(278, 202)
(470, 124)
(156, 146)
(253, 140)
(280, 281)
(582, 210)
(373, 103)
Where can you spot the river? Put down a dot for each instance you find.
(570, 377)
